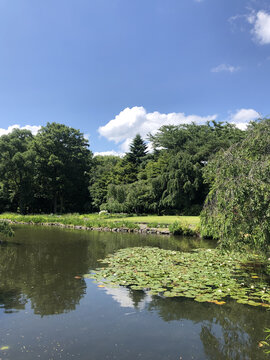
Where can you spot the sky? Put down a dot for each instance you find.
(115, 68)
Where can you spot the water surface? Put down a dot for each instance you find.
(47, 312)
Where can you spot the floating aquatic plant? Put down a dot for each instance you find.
(204, 275)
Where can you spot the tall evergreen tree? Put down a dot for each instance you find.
(137, 150)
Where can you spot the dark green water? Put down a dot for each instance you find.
(46, 313)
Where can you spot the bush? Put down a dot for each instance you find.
(179, 229)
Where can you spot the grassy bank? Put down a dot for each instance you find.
(176, 224)
(192, 221)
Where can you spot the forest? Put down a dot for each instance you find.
(214, 169)
(55, 171)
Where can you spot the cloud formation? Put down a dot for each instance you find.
(33, 128)
(122, 296)
(108, 153)
(225, 68)
(261, 29)
(242, 117)
(131, 121)
(261, 26)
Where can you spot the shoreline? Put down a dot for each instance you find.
(142, 230)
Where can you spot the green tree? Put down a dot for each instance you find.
(63, 163)
(237, 208)
(127, 170)
(103, 174)
(137, 151)
(17, 171)
(188, 148)
(200, 141)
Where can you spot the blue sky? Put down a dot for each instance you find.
(112, 68)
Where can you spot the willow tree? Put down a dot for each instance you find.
(237, 208)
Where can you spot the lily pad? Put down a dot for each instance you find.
(203, 275)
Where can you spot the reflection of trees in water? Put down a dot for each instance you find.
(232, 344)
(227, 332)
(44, 274)
(137, 297)
(39, 264)
(12, 299)
(42, 264)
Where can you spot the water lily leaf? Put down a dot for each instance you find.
(203, 275)
(6, 347)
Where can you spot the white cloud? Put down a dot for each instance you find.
(261, 29)
(111, 152)
(225, 68)
(132, 121)
(242, 117)
(122, 296)
(33, 128)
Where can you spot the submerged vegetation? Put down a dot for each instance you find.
(203, 275)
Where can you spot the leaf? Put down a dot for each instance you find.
(203, 275)
(6, 347)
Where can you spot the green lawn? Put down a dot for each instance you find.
(164, 220)
(111, 220)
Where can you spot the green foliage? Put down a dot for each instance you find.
(63, 163)
(132, 198)
(54, 171)
(203, 275)
(46, 172)
(200, 141)
(237, 208)
(178, 228)
(103, 174)
(266, 343)
(137, 151)
(16, 171)
(170, 180)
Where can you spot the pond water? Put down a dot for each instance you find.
(47, 312)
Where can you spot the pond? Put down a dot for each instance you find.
(47, 311)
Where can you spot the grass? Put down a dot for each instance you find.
(105, 220)
(164, 220)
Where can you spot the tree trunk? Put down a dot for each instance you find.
(61, 204)
(55, 204)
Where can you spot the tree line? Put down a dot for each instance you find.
(55, 171)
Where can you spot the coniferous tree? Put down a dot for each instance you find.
(137, 150)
